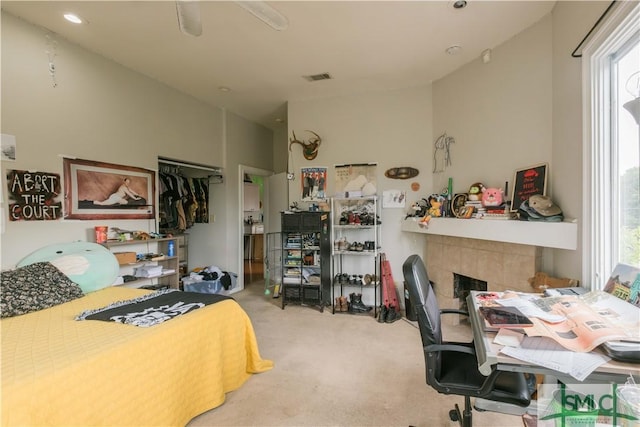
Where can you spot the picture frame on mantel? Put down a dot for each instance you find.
(527, 182)
(97, 190)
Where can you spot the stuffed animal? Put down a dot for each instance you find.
(492, 197)
(475, 191)
(424, 221)
(436, 207)
(90, 265)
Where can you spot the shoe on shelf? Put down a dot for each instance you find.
(357, 306)
(344, 304)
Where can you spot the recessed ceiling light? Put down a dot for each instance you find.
(453, 50)
(459, 4)
(72, 17)
(279, 120)
(224, 89)
(486, 56)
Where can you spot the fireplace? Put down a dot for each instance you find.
(502, 266)
(463, 285)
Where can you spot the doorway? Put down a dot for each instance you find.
(254, 195)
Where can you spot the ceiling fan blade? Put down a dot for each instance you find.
(189, 17)
(265, 13)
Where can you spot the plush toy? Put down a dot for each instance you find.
(492, 197)
(90, 265)
(424, 221)
(475, 191)
(435, 206)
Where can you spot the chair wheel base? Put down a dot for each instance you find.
(453, 415)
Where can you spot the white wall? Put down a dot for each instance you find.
(522, 108)
(390, 128)
(571, 22)
(248, 144)
(499, 113)
(102, 111)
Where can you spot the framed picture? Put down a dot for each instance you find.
(96, 190)
(528, 182)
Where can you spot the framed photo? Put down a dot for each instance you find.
(528, 182)
(96, 190)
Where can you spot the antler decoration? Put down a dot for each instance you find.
(310, 147)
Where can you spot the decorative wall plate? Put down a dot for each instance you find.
(457, 203)
(404, 172)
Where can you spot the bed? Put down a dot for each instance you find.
(60, 371)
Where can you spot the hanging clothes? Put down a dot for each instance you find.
(183, 201)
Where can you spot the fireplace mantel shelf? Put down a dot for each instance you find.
(558, 235)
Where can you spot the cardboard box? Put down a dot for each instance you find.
(125, 257)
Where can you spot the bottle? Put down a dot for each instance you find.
(171, 250)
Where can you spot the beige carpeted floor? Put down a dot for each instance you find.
(337, 370)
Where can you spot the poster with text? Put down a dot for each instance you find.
(33, 196)
(314, 184)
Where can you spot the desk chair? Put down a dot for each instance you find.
(452, 367)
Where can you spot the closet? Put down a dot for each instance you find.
(183, 199)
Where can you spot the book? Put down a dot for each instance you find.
(505, 317)
(624, 283)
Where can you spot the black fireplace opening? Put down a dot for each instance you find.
(463, 285)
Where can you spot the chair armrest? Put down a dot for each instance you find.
(459, 348)
(453, 311)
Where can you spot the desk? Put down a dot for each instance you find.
(488, 355)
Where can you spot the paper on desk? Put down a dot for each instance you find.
(508, 337)
(529, 309)
(546, 352)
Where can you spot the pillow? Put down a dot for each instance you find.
(90, 265)
(35, 287)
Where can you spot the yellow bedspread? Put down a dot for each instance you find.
(59, 371)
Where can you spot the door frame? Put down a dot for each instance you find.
(242, 170)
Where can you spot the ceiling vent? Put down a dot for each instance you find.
(316, 77)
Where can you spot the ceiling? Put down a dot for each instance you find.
(364, 45)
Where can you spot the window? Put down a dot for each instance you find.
(625, 80)
(611, 67)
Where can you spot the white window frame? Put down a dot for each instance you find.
(599, 244)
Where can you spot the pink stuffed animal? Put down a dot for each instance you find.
(492, 197)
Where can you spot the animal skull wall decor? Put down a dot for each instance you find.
(310, 147)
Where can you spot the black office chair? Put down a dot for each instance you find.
(452, 367)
